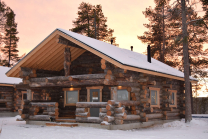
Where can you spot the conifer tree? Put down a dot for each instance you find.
(91, 21)
(197, 36)
(156, 36)
(2, 29)
(205, 8)
(10, 40)
(2, 16)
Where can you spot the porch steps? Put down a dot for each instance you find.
(61, 124)
(66, 120)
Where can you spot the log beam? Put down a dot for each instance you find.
(89, 120)
(67, 42)
(91, 104)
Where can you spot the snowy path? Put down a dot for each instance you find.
(12, 129)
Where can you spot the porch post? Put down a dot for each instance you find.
(67, 61)
(114, 93)
(29, 94)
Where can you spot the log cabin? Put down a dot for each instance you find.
(7, 105)
(72, 77)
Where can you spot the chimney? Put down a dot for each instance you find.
(131, 48)
(148, 54)
(111, 41)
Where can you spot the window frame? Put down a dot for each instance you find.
(70, 89)
(175, 98)
(158, 96)
(25, 92)
(122, 88)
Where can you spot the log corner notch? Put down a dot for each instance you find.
(67, 61)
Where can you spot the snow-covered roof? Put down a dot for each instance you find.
(7, 80)
(52, 51)
(124, 56)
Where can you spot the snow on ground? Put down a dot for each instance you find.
(12, 129)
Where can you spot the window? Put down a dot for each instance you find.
(173, 97)
(71, 96)
(95, 97)
(155, 97)
(122, 93)
(24, 95)
(1, 96)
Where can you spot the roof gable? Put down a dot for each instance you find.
(50, 51)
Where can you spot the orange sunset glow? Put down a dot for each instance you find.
(38, 18)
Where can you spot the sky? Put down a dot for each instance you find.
(36, 19)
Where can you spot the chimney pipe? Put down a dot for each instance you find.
(148, 54)
(111, 41)
(131, 48)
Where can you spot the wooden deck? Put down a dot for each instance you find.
(66, 120)
(61, 124)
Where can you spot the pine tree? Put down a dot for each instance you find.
(197, 36)
(2, 29)
(83, 24)
(91, 21)
(156, 36)
(10, 40)
(2, 16)
(205, 8)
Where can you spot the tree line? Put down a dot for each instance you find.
(8, 36)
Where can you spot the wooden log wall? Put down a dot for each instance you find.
(138, 84)
(87, 63)
(18, 99)
(55, 94)
(40, 111)
(49, 73)
(6, 99)
(116, 113)
(164, 84)
(138, 109)
(106, 94)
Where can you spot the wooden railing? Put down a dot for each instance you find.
(39, 111)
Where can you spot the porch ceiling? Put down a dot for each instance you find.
(48, 55)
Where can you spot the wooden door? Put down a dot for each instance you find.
(94, 94)
(94, 97)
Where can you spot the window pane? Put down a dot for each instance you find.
(123, 95)
(95, 97)
(71, 96)
(153, 97)
(25, 96)
(172, 97)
